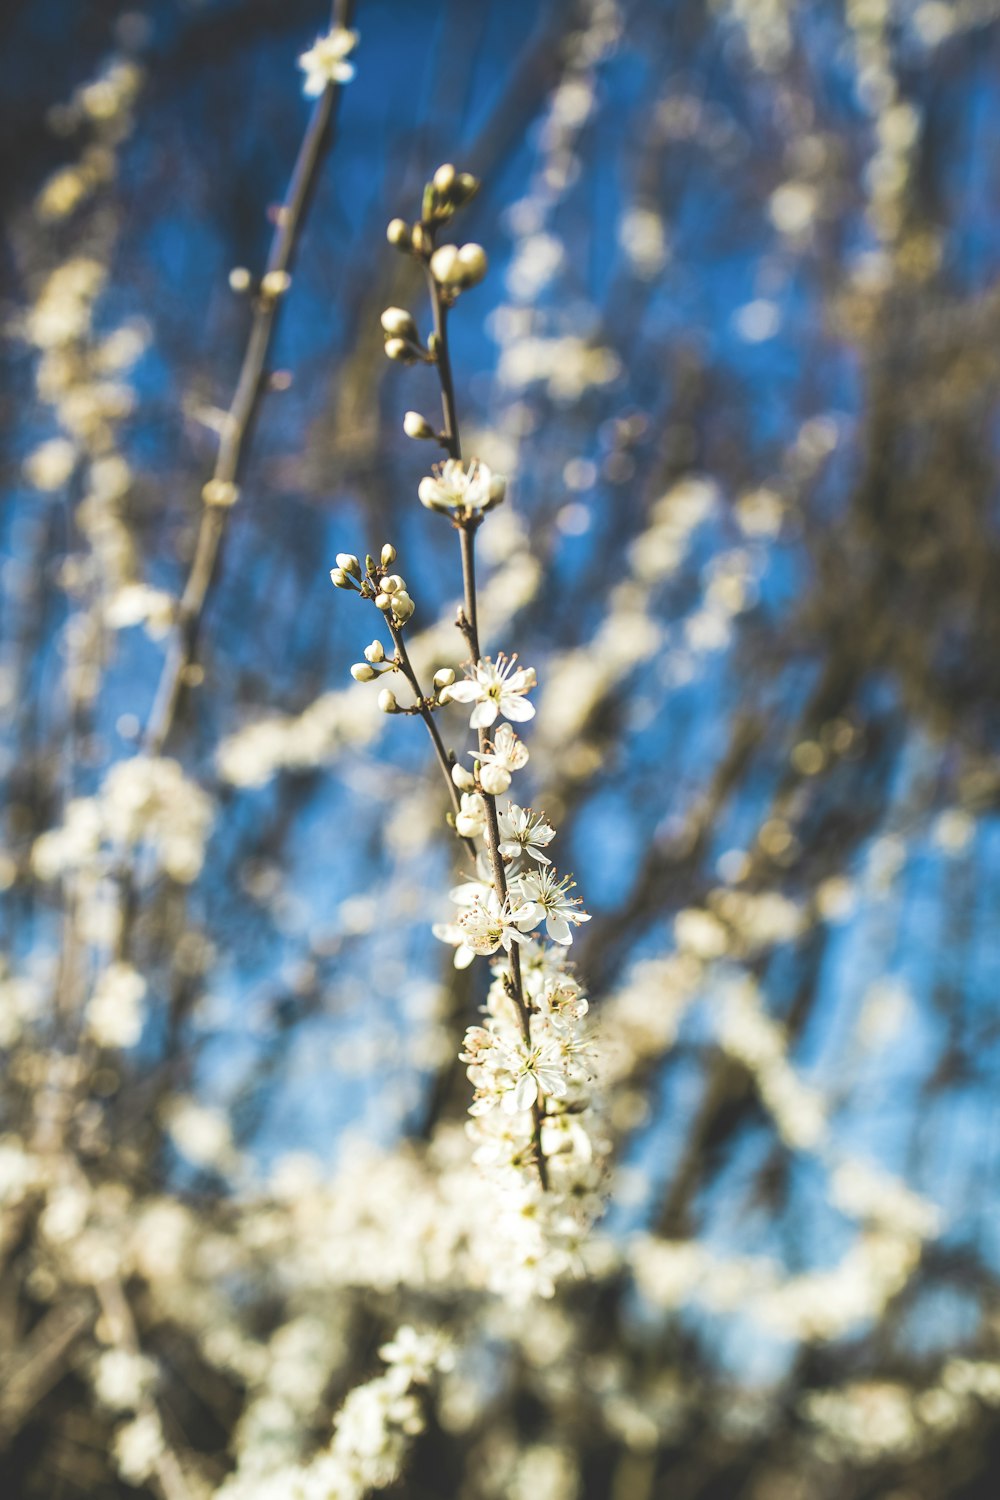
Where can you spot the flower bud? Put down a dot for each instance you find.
(221, 493)
(465, 187)
(349, 563)
(402, 606)
(375, 652)
(444, 265)
(398, 234)
(383, 602)
(444, 179)
(397, 322)
(419, 240)
(470, 821)
(388, 554)
(400, 349)
(240, 279)
(387, 701)
(275, 283)
(416, 426)
(391, 583)
(494, 779)
(339, 579)
(362, 672)
(474, 264)
(463, 779)
(444, 677)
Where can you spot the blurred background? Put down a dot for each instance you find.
(738, 355)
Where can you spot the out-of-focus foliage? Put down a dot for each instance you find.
(738, 356)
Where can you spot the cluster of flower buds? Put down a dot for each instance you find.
(455, 268)
(388, 590)
(374, 665)
(402, 341)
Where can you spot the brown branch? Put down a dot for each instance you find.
(445, 759)
(41, 1362)
(250, 388)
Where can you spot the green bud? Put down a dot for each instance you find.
(388, 555)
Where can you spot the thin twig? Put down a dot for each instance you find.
(238, 422)
(121, 1324)
(446, 759)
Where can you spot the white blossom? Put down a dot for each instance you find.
(326, 61)
(495, 689)
(547, 899)
(489, 925)
(453, 487)
(509, 754)
(524, 832)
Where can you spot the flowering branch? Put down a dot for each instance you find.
(530, 1058)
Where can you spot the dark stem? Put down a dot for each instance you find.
(445, 760)
(239, 420)
(450, 436)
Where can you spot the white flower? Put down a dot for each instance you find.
(522, 832)
(546, 897)
(509, 754)
(562, 1004)
(495, 689)
(452, 487)
(541, 1071)
(487, 926)
(325, 62)
(414, 1357)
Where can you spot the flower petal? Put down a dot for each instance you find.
(558, 930)
(525, 1092)
(484, 714)
(465, 691)
(518, 709)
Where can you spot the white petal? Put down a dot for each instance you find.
(525, 1092)
(484, 714)
(558, 930)
(465, 691)
(553, 1082)
(516, 708)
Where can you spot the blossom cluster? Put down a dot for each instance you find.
(529, 1061)
(373, 1431)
